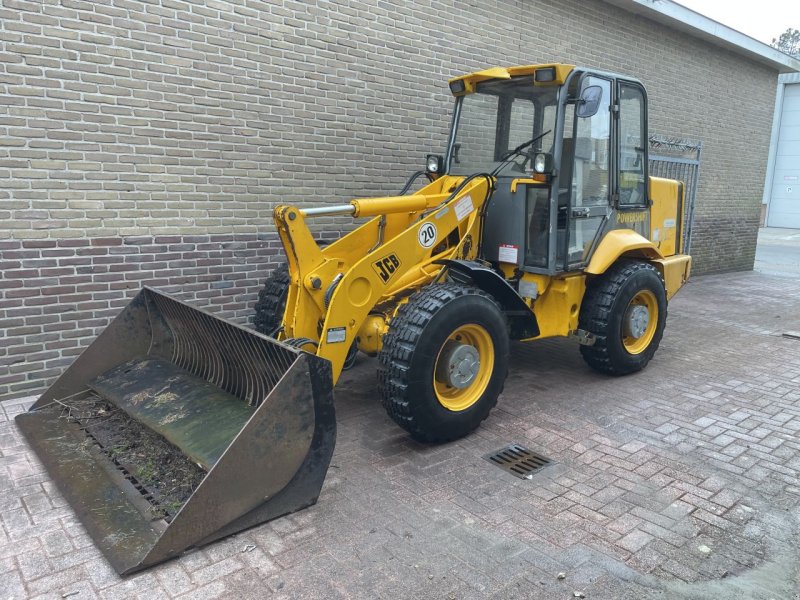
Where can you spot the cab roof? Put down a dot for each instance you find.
(556, 75)
(551, 74)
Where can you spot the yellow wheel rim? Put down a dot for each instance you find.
(455, 364)
(640, 322)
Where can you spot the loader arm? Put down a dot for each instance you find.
(333, 290)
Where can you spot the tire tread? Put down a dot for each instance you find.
(596, 311)
(272, 300)
(399, 344)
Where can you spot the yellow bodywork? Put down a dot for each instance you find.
(558, 307)
(620, 242)
(348, 292)
(666, 227)
(675, 270)
(415, 233)
(471, 79)
(371, 280)
(626, 243)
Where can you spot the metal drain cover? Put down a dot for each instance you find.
(518, 461)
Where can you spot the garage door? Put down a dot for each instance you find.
(784, 205)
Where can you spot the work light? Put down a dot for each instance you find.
(434, 163)
(543, 163)
(458, 86)
(545, 75)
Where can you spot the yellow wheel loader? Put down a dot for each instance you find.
(176, 428)
(540, 221)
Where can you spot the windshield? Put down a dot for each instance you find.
(498, 117)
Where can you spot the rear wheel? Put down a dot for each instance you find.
(444, 362)
(626, 310)
(271, 301)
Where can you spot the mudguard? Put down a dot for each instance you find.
(522, 322)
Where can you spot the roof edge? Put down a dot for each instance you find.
(697, 25)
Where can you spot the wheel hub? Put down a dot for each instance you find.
(458, 365)
(636, 320)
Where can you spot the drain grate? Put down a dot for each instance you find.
(518, 461)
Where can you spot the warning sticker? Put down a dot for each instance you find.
(464, 207)
(508, 253)
(669, 223)
(336, 335)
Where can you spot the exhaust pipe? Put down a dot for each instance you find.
(175, 428)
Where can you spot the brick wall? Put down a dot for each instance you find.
(140, 140)
(59, 294)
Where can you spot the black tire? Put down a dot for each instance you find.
(271, 301)
(407, 360)
(604, 305)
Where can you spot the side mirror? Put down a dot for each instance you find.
(589, 102)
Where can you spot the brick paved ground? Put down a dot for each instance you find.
(679, 482)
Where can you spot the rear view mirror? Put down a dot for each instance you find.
(589, 101)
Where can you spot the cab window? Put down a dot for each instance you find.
(632, 157)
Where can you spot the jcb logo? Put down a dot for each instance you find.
(386, 267)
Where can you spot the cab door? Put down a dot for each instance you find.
(632, 194)
(587, 164)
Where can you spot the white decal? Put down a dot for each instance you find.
(656, 235)
(508, 253)
(427, 235)
(464, 207)
(336, 335)
(669, 223)
(528, 289)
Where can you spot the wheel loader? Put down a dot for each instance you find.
(176, 428)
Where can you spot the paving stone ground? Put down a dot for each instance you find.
(677, 482)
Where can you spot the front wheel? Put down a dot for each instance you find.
(626, 310)
(444, 362)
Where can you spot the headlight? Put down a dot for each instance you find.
(547, 75)
(434, 163)
(458, 87)
(543, 163)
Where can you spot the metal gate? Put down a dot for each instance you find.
(678, 159)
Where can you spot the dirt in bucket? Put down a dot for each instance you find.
(165, 475)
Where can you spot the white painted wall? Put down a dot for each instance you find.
(782, 187)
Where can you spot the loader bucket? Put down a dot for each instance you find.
(176, 428)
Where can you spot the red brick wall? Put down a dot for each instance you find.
(57, 295)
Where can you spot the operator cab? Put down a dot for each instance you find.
(585, 162)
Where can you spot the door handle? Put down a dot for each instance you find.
(580, 213)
